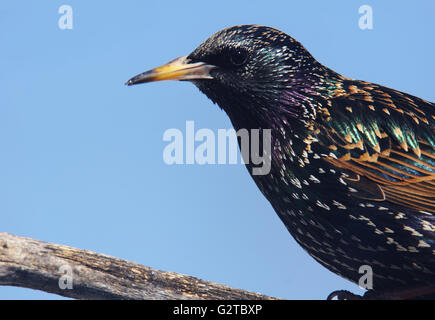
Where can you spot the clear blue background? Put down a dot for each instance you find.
(81, 154)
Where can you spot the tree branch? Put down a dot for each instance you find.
(35, 264)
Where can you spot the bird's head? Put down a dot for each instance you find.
(246, 69)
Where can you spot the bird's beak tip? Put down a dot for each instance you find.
(177, 69)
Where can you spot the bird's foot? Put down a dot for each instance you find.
(344, 295)
(420, 292)
(368, 295)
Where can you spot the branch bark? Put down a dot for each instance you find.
(35, 264)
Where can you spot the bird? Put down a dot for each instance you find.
(352, 162)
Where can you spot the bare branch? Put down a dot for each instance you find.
(35, 264)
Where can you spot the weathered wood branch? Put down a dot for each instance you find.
(35, 264)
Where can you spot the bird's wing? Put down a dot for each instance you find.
(384, 140)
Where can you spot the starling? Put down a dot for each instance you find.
(352, 163)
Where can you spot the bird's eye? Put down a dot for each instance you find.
(238, 57)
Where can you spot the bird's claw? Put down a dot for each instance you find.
(344, 295)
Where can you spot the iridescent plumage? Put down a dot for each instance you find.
(353, 163)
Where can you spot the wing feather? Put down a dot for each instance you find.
(385, 140)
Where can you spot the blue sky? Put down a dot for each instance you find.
(81, 154)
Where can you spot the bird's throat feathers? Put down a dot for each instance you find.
(295, 100)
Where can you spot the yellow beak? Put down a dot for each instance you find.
(177, 69)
